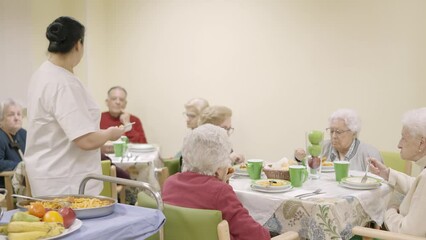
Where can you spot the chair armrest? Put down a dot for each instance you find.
(223, 230)
(7, 173)
(290, 235)
(385, 235)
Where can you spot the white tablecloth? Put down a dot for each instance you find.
(263, 206)
(140, 166)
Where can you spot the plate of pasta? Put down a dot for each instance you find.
(84, 206)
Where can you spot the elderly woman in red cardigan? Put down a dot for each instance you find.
(202, 183)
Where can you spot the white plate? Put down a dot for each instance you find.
(356, 181)
(74, 227)
(141, 147)
(258, 184)
(359, 187)
(269, 190)
(327, 169)
(238, 173)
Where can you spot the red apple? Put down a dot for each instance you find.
(69, 216)
(314, 162)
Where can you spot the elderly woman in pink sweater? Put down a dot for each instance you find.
(202, 183)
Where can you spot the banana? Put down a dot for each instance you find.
(16, 227)
(20, 226)
(33, 235)
(24, 216)
(3, 229)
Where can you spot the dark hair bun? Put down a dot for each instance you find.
(63, 34)
(56, 32)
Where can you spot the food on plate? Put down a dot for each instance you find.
(33, 230)
(243, 166)
(24, 217)
(231, 170)
(270, 183)
(327, 164)
(37, 209)
(68, 215)
(76, 203)
(53, 216)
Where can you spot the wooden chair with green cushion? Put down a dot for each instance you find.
(173, 164)
(189, 223)
(111, 189)
(394, 161)
(369, 233)
(7, 175)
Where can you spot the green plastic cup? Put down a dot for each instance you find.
(341, 169)
(119, 148)
(254, 168)
(298, 175)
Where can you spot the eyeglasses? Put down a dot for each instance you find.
(189, 115)
(338, 132)
(229, 130)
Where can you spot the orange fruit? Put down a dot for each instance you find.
(53, 216)
(37, 209)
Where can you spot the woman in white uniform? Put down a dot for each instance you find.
(63, 135)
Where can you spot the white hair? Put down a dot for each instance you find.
(415, 122)
(206, 149)
(349, 116)
(5, 104)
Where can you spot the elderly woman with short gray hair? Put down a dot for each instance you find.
(344, 127)
(409, 216)
(202, 183)
(12, 136)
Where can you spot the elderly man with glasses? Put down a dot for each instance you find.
(344, 128)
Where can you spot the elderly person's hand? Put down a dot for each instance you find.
(299, 154)
(379, 168)
(124, 117)
(237, 158)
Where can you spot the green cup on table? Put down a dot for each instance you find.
(298, 175)
(254, 168)
(341, 168)
(119, 148)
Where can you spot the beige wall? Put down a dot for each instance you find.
(282, 66)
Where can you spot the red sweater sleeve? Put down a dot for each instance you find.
(137, 134)
(241, 224)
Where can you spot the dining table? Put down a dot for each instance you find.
(328, 215)
(125, 222)
(140, 162)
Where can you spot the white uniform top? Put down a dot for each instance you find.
(59, 111)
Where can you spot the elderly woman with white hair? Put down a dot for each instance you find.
(202, 183)
(409, 216)
(12, 136)
(221, 116)
(344, 128)
(193, 109)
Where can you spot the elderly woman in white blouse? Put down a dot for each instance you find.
(409, 216)
(344, 128)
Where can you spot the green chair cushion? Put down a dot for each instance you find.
(393, 160)
(185, 223)
(106, 170)
(173, 165)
